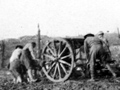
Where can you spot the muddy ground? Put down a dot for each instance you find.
(79, 84)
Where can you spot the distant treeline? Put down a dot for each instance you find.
(113, 38)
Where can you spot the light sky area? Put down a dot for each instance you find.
(58, 17)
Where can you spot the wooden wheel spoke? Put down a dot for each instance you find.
(59, 71)
(63, 50)
(55, 52)
(59, 49)
(63, 68)
(55, 71)
(50, 68)
(66, 56)
(64, 62)
(49, 56)
(51, 51)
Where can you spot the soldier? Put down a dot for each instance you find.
(107, 52)
(15, 65)
(104, 40)
(93, 48)
(101, 36)
(28, 58)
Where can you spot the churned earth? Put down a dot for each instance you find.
(45, 84)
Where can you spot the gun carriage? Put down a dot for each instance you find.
(64, 55)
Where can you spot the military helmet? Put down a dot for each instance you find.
(88, 35)
(100, 33)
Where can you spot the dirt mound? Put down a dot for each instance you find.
(44, 84)
(68, 85)
(78, 84)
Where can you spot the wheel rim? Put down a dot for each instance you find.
(59, 60)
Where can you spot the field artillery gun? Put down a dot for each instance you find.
(62, 56)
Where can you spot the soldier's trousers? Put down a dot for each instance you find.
(15, 68)
(95, 51)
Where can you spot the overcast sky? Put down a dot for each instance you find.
(58, 17)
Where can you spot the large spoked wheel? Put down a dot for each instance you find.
(59, 60)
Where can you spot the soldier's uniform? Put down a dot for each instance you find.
(93, 48)
(104, 40)
(28, 59)
(15, 64)
(28, 56)
(107, 53)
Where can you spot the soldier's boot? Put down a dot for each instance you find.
(31, 77)
(110, 69)
(92, 74)
(14, 80)
(19, 80)
(92, 77)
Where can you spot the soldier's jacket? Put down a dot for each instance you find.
(105, 41)
(105, 44)
(30, 48)
(89, 42)
(95, 44)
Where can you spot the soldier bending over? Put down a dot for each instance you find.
(93, 47)
(28, 58)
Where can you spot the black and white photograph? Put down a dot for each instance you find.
(59, 44)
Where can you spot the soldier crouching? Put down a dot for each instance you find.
(15, 64)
